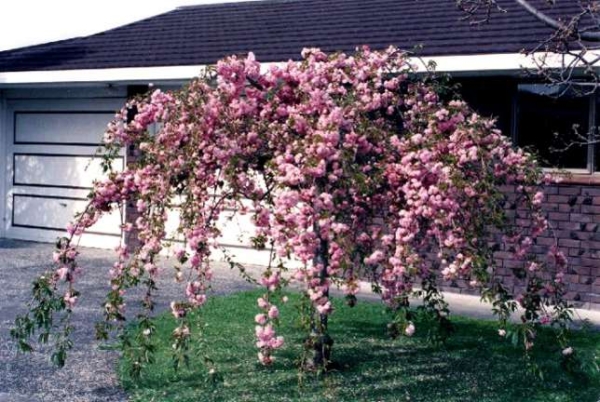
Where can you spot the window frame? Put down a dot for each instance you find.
(589, 174)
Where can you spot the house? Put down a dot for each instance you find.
(56, 98)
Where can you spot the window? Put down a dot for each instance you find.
(554, 123)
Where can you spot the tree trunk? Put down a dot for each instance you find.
(320, 339)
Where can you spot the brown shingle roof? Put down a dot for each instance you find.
(277, 30)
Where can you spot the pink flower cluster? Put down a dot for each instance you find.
(267, 340)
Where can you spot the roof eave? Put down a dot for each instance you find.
(479, 64)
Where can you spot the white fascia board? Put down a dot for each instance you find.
(106, 75)
(481, 63)
(101, 75)
(510, 62)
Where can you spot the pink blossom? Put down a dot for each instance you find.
(70, 300)
(262, 303)
(260, 319)
(62, 272)
(410, 329)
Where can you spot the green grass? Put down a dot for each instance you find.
(475, 365)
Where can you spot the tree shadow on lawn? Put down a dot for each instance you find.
(475, 365)
(469, 367)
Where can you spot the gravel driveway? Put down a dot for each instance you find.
(89, 372)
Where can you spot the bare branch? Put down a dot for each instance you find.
(474, 8)
(582, 34)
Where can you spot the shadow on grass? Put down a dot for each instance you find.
(475, 364)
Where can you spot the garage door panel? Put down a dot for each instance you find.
(55, 212)
(58, 170)
(236, 229)
(63, 128)
(66, 105)
(51, 167)
(235, 241)
(49, 236)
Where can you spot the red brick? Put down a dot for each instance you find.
(579, 252)
(546, 241)
(594, 245)
(561, 199)
(582, 271)
(581, 235)
(569, 190)
(568, 208)
(590, 209)
(589, 262)
(559, 216)
(552, 208)
(569, 243)
(507, 189)
(514, 264)
(503, 255)
(568, 225)
(580, 218)
(579, 288)
(593, 191)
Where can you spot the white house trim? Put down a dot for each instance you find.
(485, 63)
(108, 75)
(481, 63)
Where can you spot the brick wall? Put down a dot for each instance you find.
(573, 212)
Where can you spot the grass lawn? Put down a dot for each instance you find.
(475, 365)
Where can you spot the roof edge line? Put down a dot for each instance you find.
(480, 63)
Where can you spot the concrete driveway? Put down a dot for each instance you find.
(89, 372)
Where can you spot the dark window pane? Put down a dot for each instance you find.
(548, 125)
(490, 97)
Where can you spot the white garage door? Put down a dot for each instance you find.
(50, 148)
(50, 169)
